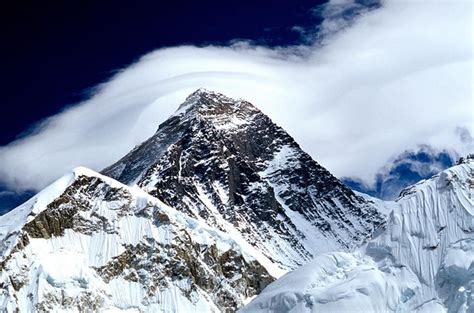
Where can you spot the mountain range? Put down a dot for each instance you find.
(221, 206)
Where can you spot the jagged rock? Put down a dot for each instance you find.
(219, 202)
(225, 162)
(89, 243)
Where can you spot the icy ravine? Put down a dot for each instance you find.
(223, 161)
(423, 261)
(88, 243)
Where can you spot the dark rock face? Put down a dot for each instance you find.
(62, 213)
(206, 267)
(225, 162)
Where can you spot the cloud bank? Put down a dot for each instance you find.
(396, 77)
(404, 170)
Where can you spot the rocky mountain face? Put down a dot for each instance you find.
(89, 243)
(224, 162)
(422, 262)
(207, 213)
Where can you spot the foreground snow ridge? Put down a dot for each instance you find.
(89, 243)
(422, 262)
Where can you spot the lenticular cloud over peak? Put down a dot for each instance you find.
(389, 81)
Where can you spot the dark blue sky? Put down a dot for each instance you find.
(53, 51)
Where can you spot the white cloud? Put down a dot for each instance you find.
(398, 76)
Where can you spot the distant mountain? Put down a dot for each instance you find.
(422, 262)
(406, 169)
(224, 162)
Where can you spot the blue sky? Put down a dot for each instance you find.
(355, 82)
(55, 51)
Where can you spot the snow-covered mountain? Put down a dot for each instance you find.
(422, 262)
(210, 210)
(224, 162)
(89, 243)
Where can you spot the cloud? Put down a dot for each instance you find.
(404, 170)
(395, 77)
(340, 14)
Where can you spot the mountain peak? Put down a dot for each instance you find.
(225, 162)
(215, 110)
(200, 92)
(209, 103)
(203, 93)
(466, 160)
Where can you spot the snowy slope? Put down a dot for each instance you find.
(89, 243)
(224, 162)
(423, 261)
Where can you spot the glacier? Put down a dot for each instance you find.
(422, 262)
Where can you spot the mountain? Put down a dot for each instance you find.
(224, 162)
(422, 262)
(209, 211)
(89, 243)
(404, 170)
